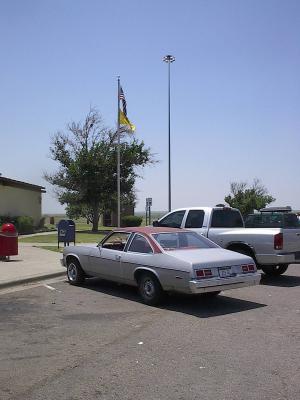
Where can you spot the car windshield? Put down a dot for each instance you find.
(182, 241)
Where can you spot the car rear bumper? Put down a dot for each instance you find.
(277, 259)
(62, 261)
(216, 284)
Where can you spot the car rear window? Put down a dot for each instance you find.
(182, 241)
(226, 218)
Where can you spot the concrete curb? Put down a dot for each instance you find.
(29, 279)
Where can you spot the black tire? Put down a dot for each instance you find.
(150, 289)
(211, 294)
(246, 252)
(274, 270)
(242, 250)
(75, 273)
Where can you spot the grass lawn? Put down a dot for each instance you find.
(81, 237)
(81, 224)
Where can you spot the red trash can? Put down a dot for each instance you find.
(8, 240)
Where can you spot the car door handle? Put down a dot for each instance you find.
(118, 258)
(298, 234)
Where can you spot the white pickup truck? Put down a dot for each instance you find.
(273, 249)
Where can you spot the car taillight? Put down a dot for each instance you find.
(203, 273)
(248, 268)
(251, 267)
(278, 241)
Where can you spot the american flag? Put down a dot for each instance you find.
(122, 97)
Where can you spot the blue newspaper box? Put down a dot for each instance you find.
(65, 232)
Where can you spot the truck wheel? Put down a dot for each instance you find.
(274, 270)
(150, 289)
(75, 273)
(242, 250)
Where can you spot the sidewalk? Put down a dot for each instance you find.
(32, 264)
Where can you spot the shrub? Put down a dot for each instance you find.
(42, 223)
(131, 220)
(5, 219)
(24, 224)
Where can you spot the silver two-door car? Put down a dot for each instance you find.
(159, 260)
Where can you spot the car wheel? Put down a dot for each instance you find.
(75, 273)
(274, 270)
(150, 289)
(211, 294)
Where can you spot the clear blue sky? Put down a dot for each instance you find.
(235, 89)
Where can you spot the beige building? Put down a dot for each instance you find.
(20, 199)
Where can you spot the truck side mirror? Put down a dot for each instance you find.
(155, 223)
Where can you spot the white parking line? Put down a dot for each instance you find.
(30, 285)
(50, 287)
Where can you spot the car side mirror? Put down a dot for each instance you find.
(155, 223)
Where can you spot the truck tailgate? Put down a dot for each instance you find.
(291, 241)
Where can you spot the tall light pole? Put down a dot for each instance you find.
(169, 59)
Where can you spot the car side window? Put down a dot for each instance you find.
(116, 241)
(173, 220)
(140, 245)
(194, 219)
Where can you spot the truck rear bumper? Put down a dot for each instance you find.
(216, 284)
(276, 259)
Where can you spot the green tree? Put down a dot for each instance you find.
(86, 180)
(248, 198)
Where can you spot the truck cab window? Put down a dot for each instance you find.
(173, 220)
(226, 218)
(194, 219)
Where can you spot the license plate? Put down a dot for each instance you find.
(225, 272)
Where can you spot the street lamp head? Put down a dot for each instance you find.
(169, 58)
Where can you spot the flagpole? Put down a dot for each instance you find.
(169, 59)
(118, 159)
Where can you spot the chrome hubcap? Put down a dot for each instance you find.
(72, 272)
(149, 288)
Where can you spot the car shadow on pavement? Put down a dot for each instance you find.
(199, 306)
(203, 307)
(280, 281)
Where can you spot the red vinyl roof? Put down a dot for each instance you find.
(148, 230)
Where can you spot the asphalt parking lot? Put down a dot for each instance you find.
(99, 341)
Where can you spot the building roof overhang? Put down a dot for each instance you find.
(22, 185)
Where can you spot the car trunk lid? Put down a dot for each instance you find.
(216, 256)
